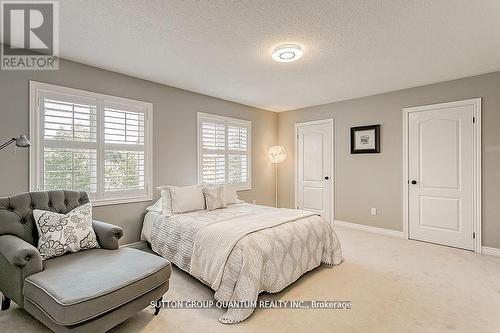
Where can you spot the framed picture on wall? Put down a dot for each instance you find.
(365, 139)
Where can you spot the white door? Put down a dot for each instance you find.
(315, 167)
(441, 174)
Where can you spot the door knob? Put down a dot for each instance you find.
(414, 182)
(326, 177)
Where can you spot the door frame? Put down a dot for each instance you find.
(476, 103)
(328, 121)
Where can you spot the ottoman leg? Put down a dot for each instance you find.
(158, 306)
(5, 303)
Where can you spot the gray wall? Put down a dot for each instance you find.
(174, 133)
(375, 180)
(361, 181)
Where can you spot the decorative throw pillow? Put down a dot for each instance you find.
(181, 199)
(62, 233)
(187, 198)
(230, 194)
(214, 197)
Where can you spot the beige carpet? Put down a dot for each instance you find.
(395, 285)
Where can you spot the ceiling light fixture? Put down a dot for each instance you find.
(287, 52)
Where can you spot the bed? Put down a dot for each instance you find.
(244, 249)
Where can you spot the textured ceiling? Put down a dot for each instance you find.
(223, 48)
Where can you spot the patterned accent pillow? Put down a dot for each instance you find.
(214, 197)
(61, 233)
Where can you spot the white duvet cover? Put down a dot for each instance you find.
(244, 249)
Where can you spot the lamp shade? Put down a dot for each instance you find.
(276, 154)
(22, 141)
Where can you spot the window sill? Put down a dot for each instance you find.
(118, 201)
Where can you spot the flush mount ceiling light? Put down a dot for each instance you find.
(287, 53)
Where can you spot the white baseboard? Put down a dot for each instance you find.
(376, 230)
(492, 251)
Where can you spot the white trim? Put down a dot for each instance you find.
(37, 90)
(476, 102)
(331, 122)
(108, 202)
(367, 228)
(226, 120)
(88, 94)
(34, 150)
(491, 251)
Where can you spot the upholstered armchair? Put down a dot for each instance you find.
(89, 290)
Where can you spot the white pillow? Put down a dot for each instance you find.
(187, 198)
(214, 197)
(156, 207)
(166, 200)
(62, 233)
(230, 194)
(181, 199)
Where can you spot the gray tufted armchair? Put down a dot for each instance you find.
(88, 290)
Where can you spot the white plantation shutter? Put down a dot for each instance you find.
(237, 140)
(213, 143)
(213, 168)
(69, 131)
(91, 142)
(124, 154)
(70, 169)
(213, 135)
(224, 150)
(123, 124)
(120, 175)
(237, 169)
(69, 118)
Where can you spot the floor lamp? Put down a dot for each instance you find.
(21, 141)
(277, 155)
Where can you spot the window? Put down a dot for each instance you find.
(90, 142)
(224, 150)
